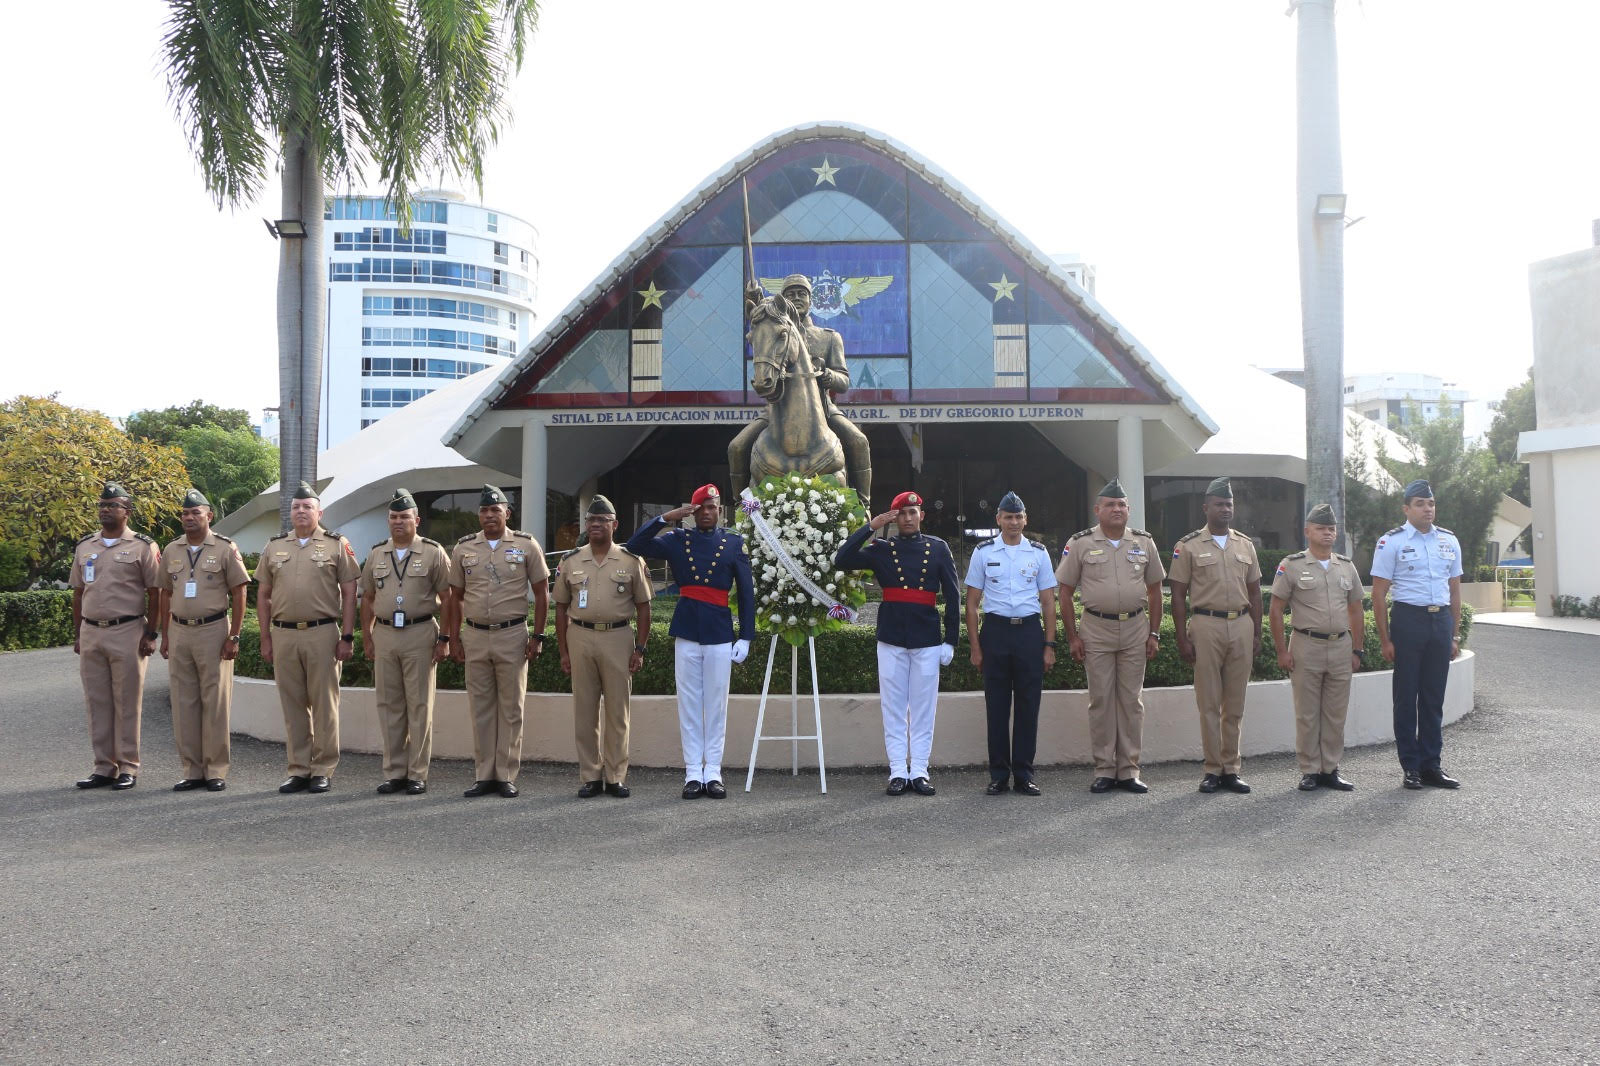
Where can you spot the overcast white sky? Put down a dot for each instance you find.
(1155, 138)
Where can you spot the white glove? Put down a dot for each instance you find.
(947, 655)
(741, 648)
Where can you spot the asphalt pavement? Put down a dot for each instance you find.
(1379, 926)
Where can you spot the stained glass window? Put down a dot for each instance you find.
(598, 364)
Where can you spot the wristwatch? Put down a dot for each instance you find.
(639, 648)
(538, 636)
(1049, 643)
(347, 637)
(233, 637)
(443, 639)
(151, 634)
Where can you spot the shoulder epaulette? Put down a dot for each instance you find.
(1141, 533)
(1441, 529)
(280, 536)
(378, 545)
(1040, 545)
(1297, 555)
(1190, 536)
(430, 540)
(520, 533)
(1081, 533)
(1396, 529)
(91, 536)
(333, 534)
(624, 549)
(463, 540)
(1342, 558)
(984, 543)
(147, 540)
(225, 540)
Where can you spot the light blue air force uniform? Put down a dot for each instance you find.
(1420, 567)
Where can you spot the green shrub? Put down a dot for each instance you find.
(38, 619)
(1484, 572)
(13, 564)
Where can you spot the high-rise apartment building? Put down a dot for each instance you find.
(408, 312)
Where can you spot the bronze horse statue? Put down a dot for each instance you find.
(797, 438)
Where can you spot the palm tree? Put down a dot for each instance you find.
(1321, 252)
(320, 90)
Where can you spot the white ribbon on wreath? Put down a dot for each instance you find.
(752, 507)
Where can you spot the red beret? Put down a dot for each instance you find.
(704, 493)
(906, 499)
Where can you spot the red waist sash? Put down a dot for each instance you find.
(922, 596)
(705, 594)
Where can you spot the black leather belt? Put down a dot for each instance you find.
(107, 623)
(314, 623)
(1323, 636)
(1123, 617)
(219, 616)
(1010, 621)
(495, 625)
(601, 627)
(382, 621)
(1229, 615)
(1418, 607)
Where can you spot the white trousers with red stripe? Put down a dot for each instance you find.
(908, 684)
(703, 671)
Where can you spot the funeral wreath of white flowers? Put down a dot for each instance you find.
(812, 517)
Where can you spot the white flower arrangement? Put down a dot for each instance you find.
(811, 517)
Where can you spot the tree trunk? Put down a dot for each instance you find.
(302, 320)
(1321, 255)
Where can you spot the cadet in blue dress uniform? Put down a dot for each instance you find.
(1421, 563)
(706, 562)
(910, 568)
(1012, 577)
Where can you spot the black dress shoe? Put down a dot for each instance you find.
(1309, 782)
(897, 786)
(1102, 784)
(391, 786)
(215, 784)
(591, 789)
(295, 783)
(1235, 783)
(1436, 778)
(922, 786)
(1028, 788)
(1209, 783)
(1413, 780)
(618, 789)
(716, 790)
(1134, 785)
(693, 790)
(189, 784)
(416, 788)
(1334, 781)
(479, 788)
(997, 788)
(127, 781)
(508, 790)
(319, 783)
(95, 781)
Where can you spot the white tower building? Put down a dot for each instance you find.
(409, 312)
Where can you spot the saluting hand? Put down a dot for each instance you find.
(677, 514)
(882, 520)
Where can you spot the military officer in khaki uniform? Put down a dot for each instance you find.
(1117, 572)
(1217, 579)
(492, 574)
(203, 583)
(599, 590)
(116, 604)
(307, 580)
(403, 584)
(1321, 591)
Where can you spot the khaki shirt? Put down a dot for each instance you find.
(303, 579)
(497, 582)
(612, 588)
(415, 584)
(1111, 579)
(123, 573)
(1318, 599)
(1219, 579)
(216, 570)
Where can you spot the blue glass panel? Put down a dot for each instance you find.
(857, 289)
(952, 325)
(1059, 357)
(598, 364)
(827, 215)
(702, 329)
(879, 374)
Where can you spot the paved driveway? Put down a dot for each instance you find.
(1382, 926)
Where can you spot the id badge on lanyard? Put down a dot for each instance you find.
(191, 589)
(399, 619)
(583, 596)
(88, 569)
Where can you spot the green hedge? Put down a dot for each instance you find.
(39, 619)
(847, 662)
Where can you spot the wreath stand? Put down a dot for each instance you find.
(794, 738)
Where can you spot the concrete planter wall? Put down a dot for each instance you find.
(852, 726)
(1483, 595)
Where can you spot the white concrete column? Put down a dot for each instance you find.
(1130, 465)
(535, 478)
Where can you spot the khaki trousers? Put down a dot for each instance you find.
(113, 691)
(1221, 676)
(1321, 683)
(600, 668)
(307, 675)
(1113, 657)
(497, 689)
(403, 677)
(202, 695)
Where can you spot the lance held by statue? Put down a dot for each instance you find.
(796, 367)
